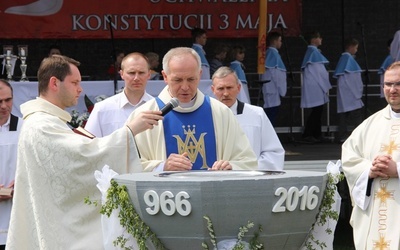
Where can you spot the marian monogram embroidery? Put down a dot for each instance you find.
(192, 145)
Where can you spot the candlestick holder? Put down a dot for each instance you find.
(7, 52)
(23, 54)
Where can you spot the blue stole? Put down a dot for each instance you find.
(273, 59)
(237, 67)
(199, 49)
(313, 56)
(388, 61)
(193, 133)
(346, 64)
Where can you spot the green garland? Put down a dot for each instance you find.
(325, 211)
(254, 243)
(118, 197)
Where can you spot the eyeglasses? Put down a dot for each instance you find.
(389, 85)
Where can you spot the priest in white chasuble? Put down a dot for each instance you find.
(201, 133)
(371, 163)
(55, 166)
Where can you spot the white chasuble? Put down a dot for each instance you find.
(54, 175)
(378, 226)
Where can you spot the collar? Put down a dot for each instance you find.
(123, 101)
(42, 105)
(273, 48)
(198, 45)
(234, 107)
(194, 104)
(189, 104)
(7, 122)
(237, 107)
(6, 126)
(394, 115)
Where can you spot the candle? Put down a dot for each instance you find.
(8, 52)
(22, 52)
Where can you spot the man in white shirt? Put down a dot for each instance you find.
(252, 119)
(10, 126)
(112, 113)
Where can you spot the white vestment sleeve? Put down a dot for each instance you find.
(272, 154)
(160, 167)
(359, 191)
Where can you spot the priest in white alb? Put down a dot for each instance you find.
(252, 119)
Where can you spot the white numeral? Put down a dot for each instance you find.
(183, 206)
(151, 199)
(289, 199)
(312, 198)
(282, 193)
(167, 203)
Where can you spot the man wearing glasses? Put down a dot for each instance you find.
(371, 162)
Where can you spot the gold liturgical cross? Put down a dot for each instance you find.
(383, 194)
(390, 148)
(382, 244)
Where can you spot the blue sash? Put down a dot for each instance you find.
(193, 133)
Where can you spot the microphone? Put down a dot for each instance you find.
(173, 103)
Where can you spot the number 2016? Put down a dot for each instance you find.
(166, 203)
(289, 199)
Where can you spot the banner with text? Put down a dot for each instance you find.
(92, 19)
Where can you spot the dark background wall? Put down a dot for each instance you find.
(336, 20)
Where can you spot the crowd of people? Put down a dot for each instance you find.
(49, 170)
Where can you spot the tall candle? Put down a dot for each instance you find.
(22, 52)
(8, 52)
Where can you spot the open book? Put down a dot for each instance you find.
(84, 132)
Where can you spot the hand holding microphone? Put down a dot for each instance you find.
(148, 119)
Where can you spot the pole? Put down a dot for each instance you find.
(262, 31)
(292, 83)
(366, 68)
(114, 56)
